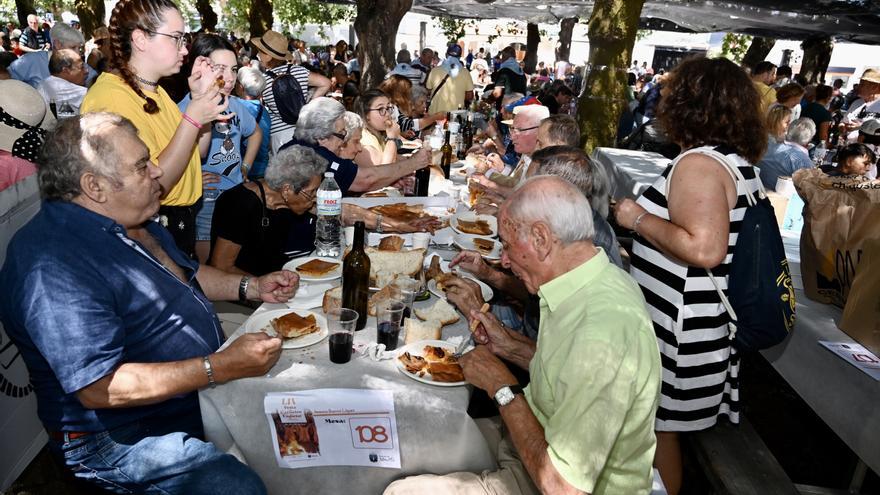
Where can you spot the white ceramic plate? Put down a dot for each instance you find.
(472, 217)
(485, 289)
(417, 349)
(466, 241)
(310, 295)
(260, 322)
(331, 275)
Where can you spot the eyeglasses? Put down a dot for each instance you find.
(517, 130)
(308, 195)
(383, 111)
(340, 135)
(178, 38)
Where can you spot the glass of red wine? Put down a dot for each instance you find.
(341, 323)
(388, 318)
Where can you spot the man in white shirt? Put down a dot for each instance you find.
(66, 81)
(868, 103)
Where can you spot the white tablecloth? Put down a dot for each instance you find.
(630, 172)
(436, 434)
(846, 399)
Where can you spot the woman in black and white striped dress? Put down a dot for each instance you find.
(687, 227)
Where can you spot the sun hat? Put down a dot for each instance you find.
(870, 127)
(24, 119)
(871, 75)
(273, 44)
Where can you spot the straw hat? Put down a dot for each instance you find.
(273, 44)
(871, 75)
(24, 119)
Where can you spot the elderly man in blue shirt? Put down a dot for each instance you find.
(115, 325)
(790, 155)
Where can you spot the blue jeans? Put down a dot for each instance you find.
(158, 455)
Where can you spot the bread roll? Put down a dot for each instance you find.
(441, 311)
(407, 263)
(332, 299)
(417, 330)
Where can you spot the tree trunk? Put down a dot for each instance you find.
(207, 15)
(376, 24)
(260, 17)
(24, 9)
(91, 15)
(757, 51)
(612, 32)
(817, 55)
(566, 28)
(533, 38)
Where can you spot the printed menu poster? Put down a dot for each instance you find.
(333, 427)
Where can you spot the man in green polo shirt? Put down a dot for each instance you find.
(585, 423)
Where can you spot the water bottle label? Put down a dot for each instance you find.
(329, 202)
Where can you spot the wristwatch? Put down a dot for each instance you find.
(506, 394)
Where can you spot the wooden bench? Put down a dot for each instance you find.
(737, 462)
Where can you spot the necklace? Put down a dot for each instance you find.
(145, 82)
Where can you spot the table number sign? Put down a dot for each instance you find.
(333, 427)
(856, 355)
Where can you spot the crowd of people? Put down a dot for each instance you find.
(187, 171)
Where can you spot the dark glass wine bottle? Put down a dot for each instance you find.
(423, 177)
(446, 155)
(356, 277)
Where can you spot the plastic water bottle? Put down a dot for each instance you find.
(819, 154)
(329, 227)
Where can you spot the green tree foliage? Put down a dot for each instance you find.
(294, 13)
(455, 28)
(734, 46)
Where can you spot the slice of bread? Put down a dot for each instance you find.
(407, 263)
(441, 311)
(332, 299)
(378, 298)
(391, 243)
(417, 330)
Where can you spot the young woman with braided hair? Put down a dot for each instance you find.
(147, 44)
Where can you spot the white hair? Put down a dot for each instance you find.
(295, 166)
(353, 122)
(317, 119)
(801, 131)
(252, 81)
(554, 202)
(534, 113)
(64, 36)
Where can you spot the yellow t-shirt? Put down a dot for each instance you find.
(370, 139)
(768, 95)
(451, 95)
(111, 94)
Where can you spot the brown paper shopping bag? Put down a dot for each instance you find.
(841, 218)
(861, 316)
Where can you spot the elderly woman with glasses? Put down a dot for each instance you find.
(259, 225)
(321, 126)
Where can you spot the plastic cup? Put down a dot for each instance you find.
(341, 323)
(421, 240)
(349, 235)
(406, 290)
(388, 318)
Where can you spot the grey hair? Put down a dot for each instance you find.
(574, 165)
(353, 122)
(64, 36)
(62, 59)
(801, 131)
(252, 81)
(294, 166)
(317, 119)
(77, 145)
(562, 129)
(554, 202)
(419, 91)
